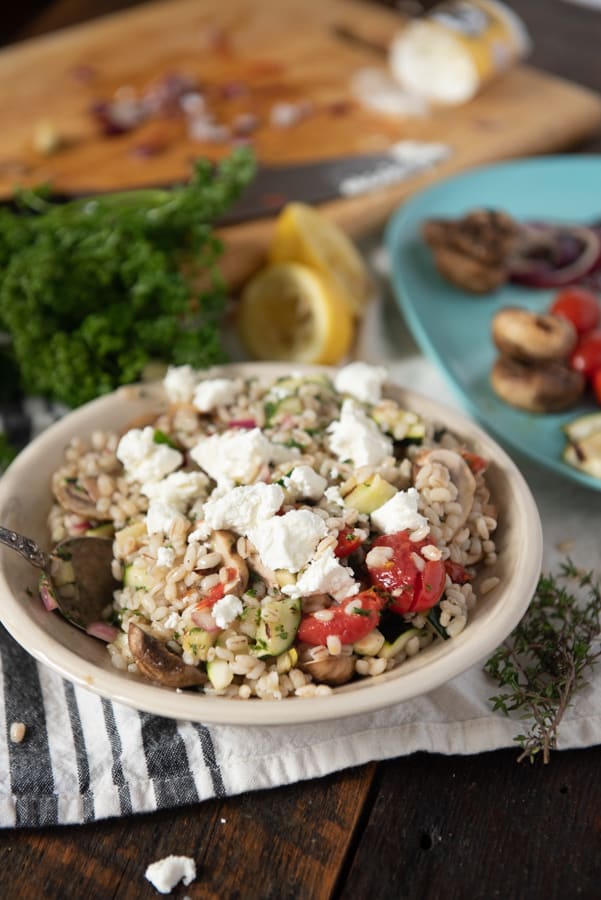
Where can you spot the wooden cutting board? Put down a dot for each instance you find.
(248, 55)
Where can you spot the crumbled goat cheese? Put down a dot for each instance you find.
(201, 533)
(243, 508)
(165, 557)
(324, 575)
(362, 381)
(143, 459)
(333, 495)
(172, 622)
(234, 456)
(177, 489)
(214, 392)
(164, 874)
(399, 513)
(288, 541)
(304, 482)
(357, 437)
(161, 517)
(226, 610)
(180, 383)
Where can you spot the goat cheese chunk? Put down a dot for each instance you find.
(178, 489)
(226, 610)
(357, 437)
(304, 482)
(288, 541)
(234, 456)
(324, 575)
(361, 381)
(161, 517)
(165, 557)
(399, 513)
(214, 392)
(165, 873)
(180, 383)
(143, 458)
(243, 508)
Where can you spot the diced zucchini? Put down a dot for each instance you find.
(136, 576)
(371, 644)
(220, 674)
(370, 494)
(286, 661)
(249, 621)
(583, 450)
(136, 530)
(106, 530)
(390, 650)
(197, 642)
(62, 572)
(278, 626)
(401, 424)
(284, 577)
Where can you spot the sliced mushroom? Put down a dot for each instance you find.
(159, 664)
(224, 543)
(533, 337)
(75, 497)
(268, 575)
(538, 389)
(461, 476)
(332, 670)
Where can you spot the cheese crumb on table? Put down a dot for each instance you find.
(165, 873)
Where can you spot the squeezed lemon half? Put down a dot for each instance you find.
(289, 311)
(304, 235)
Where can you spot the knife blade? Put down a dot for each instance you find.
(329, 179)
(312, 182)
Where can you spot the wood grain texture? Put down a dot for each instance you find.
(285, 52)
(277, 845)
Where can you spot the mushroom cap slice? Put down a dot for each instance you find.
(533, 337)
(74, 497)
(157, 663)
(461, 476)
(539, 389)
(332, 670)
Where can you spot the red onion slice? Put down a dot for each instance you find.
(204, 619)
(242, 423)
(103, 631)
(46, 592)
(566, 268)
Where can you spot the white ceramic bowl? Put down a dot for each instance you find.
(25, 499)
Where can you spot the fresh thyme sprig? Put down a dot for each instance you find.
(542, 663)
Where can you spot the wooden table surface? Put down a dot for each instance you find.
(422, 826)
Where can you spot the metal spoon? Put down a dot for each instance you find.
(86, 591)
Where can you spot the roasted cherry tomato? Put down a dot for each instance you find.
(412, 589)
(476, 463)
(597, 385)
(211, 597)
(348, 542)
(456, 572)
(586, 358)
(351, 620)
(580, 306)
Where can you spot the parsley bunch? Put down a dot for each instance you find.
(92, 290)
(543, 661)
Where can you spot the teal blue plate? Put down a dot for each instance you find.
(452, 326)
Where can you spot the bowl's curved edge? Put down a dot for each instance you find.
(393, 687)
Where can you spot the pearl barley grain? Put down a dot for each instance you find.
(17, 732)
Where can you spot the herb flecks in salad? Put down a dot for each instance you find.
(93, 290)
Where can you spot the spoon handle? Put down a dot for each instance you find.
(25, 546)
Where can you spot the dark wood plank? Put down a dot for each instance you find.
(482, 826)
(278, 845)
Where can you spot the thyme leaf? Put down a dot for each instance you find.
(543, 662)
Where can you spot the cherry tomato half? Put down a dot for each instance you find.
(580, 306)
(586, 357)
(456, 572)
(348, 542)
(597, 385)
(412, 589)
(363, 616)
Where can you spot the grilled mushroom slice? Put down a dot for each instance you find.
(461, 476)
(76, 496)
(538, 389)
(533, 337)
(224, 543)
(332, 670)
(157, 663)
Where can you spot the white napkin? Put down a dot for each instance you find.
(84, 758)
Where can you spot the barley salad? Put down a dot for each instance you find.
(276, 537)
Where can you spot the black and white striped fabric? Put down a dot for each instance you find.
(84, 758)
